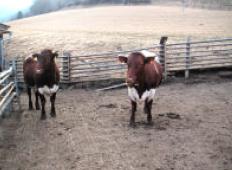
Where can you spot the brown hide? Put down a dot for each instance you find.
(40, 70)
(143, 74)
(142, 71)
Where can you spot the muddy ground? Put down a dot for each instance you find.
(192, 131)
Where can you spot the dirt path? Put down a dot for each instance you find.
(91, 132)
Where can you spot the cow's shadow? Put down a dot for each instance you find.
(160, 122)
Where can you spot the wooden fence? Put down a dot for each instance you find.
(8, 89)
(198, 55)
(183, 56)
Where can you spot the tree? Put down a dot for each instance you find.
(41, 6)
(19, 15)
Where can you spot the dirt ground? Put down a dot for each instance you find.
(192, 131)
(110, 28)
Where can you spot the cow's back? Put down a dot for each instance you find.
(29, 66)
(153, 74)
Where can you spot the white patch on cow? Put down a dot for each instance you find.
(147, 53)
(134, 96)
(157, 59)
(34, 58)
(48, 91)
(28, 57)
(148, 94)
(38, 71)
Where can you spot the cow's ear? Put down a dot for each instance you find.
(122, 59)
(149, 59)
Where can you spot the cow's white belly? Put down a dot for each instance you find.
(134, 96)
(48, 91)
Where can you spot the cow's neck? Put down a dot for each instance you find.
(49, 75)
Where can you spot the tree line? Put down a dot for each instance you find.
(45, 6)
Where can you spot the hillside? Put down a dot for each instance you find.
(96, 29)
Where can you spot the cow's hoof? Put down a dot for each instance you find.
(43, 117)
(30, 106)
(53, 114)
(150, 123)
(132, 125)
(145, 110)
(37, 107)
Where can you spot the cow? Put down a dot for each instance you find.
(40, 71)
(144, 75)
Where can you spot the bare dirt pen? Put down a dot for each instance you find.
(91, 30)
(192, 130)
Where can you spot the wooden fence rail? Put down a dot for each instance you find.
(184, 56)
(198, 55)
(8, 89)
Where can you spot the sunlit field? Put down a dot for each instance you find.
(97, 29)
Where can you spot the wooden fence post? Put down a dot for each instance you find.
(162, 54)
(1, 53)
(187, 58)
(66, 67)
(15, 76)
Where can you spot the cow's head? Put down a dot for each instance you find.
(46, 57)
(135, 63)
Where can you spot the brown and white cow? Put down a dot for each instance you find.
(144, 75)
(40, 71)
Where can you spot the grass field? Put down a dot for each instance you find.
(91, 30)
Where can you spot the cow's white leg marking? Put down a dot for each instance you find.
(48, 91)
(134, 96)
(148, 94)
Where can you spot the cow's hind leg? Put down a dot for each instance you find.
(148, 106)
(43, 101)
(53, 109)
(37, 100)
(29, 96)
(133, 110)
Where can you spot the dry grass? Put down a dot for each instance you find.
(112, 28)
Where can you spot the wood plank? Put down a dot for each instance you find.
(199, 63)
(113, 87)
(205, 55)
(92, 64)
(203, 66)
(102, 67)
(97, 74)
(195, 59)
(96, 78)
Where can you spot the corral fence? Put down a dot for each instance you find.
(8, 88)
(195, 55)
(184, 56)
